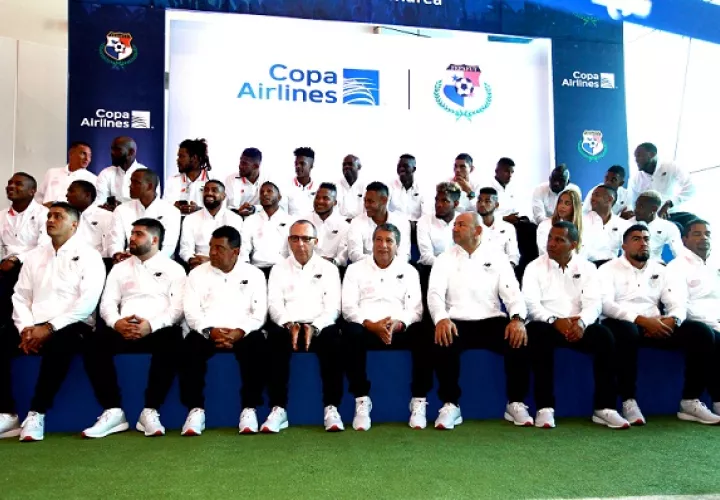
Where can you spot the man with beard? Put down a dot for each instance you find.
(662, 232)
(302, 191)
(602, 230)
(55, 184)
(545, 196)
(435, 230)
(331, 227)
(243, 188)
(635, 288)
(615, 178)
(497, 233)
(199, 226)
(462, 170)
(113, 182)
(185, 190)
(142, 309)
(350, 189)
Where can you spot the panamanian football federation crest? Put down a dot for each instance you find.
(118, 49)
(591, 146)
(463, 92)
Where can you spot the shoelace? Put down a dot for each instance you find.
(446, 409)
(151, 416)
(275, 413)
(332, 413)
(363, 409)
(418, 407)
(32, 422)
(246, 413)
(105, 416)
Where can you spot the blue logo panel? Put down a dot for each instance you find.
(361, 87)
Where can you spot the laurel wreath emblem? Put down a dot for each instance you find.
(590, 157)
(460, 113)
(117, 64)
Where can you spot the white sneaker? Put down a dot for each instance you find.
(517, 413)
(248, 421)
(418, 419)
(694, 410)
(610, 418)
(33, 427)
(194, 423)
(333, 422)
(9, 425)
(545, 418)
(716, 408)
(448, 417)
(110, 422)
(631, 412)
(276, 421)
(363, 407)
(149, 423)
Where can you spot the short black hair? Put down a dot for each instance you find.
(253, 153)
(230, 233)
(618, 170)
(632, 229)
(270, 183)
(76, 144)
(505, 162)
(149, 176)
(610, 190)
(378, 187)
(329, 186)
(391, 228)
(33, 182)
(87, 187)
(649, 147)
(572, 230)
(154, 227)
(687, 228)
(306, 152)
(408, 157)
(465, 157)
(216, 181)
(450, 189)
(489, 190)
(73, 212)
(561, 168)
(199, 148)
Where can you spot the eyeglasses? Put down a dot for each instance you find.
(304, 239)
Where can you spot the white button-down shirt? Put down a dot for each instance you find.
(434, 237)
(551, 291)
(240, 191)
(623, 201)
(114, 181)
(304, 294)
(672, 182)
(370, 293)
(544, 201)
(264, 239)
(180, 188)
(61, 287)
(629, 292)
(410, 202)
(602, 241)
(300, 198)
(332, 236)
(508, 200)
(197, 229)
(702, 279)
(662, 232)
(351, 199)
(503, 238)
(214, 299)
(468, 287)
(127, 213)
(56, 182)
(20, 232)
(94, 229)
(465, 204)
(152, 290)
(360, 236)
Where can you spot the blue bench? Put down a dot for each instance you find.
(482, 381)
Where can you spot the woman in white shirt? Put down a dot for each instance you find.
(568, 208)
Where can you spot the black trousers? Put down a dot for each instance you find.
(7, 288)
(599, 263)
(527, 245)
(358, 340)
(597, 341)
(696, 339)
(484, 334)
(250, 352)
(424, 272)
(326, 345)
(100, 349)
(9, 342)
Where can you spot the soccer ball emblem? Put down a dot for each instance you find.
(464, 87)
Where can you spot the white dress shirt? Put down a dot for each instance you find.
(468, 287)
(551, 291)
(508, 200)
(434, 237)
(240, 191)
(370, 293)
(152, 290)
(56, 182)
(114, 181)
(351, 199)
(623, 201)
(60, 287)
(197, 229)
(629, 292)
(304, 294)
(672, 182)
(544, 201)
(94, 229)
(300, 198)
(503, 238)
(126, 214)
(410, 202)
(465, 204)
(179, 187)
(602, 241)
(662, 232)
(20, 232)
(702, 279)
(264, 239)
(360, 236)
(214, 299)
(332, 236)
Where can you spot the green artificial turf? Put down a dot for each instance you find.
(488, 459)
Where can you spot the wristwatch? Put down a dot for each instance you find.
(552, 319)
(471, 195)
(206, 332)
(517, 317)
(677, 321)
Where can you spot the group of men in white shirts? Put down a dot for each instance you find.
(273, 283)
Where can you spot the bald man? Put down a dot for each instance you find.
(113, 182)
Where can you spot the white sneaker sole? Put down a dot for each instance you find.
(417, 426)
(442, 427)
(607, 424)
(30, 439)
(692, 418)
(192, 431)
(527, 423)
(118, 428)
(14, 432)
(246, 430)
(361, 428)
(269, 430)
(335, 427)
(546, 425)
(141, 428)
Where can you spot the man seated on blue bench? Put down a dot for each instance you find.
(634, 289)
(304, 304)
(142, 307)
(382, 308)
(467, 283)
(562, 292)
(55, 297)
(225, 307)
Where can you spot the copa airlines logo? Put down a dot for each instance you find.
(360, 87)
(106, 118)
(580, 79)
